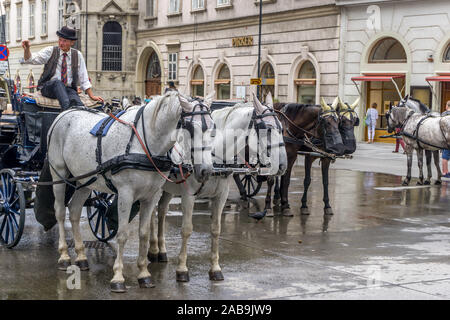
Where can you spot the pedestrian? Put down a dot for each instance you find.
(147, 99)
(64, 69)
(171, 87)
(399, 141)
(371, 121)
(446, 152)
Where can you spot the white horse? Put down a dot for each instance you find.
(242, 118)
(72, 149)
(429, 132)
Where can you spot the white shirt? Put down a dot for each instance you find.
(44, 55)
(373, 114)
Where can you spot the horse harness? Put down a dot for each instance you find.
(128, 160)
(415, 134)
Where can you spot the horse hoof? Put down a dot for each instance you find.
(328, 211)
(304, 211)
(216, 276)
(287, 212)
(64, 264)
(269, 213)
(152, 257)
(437, 182)
(182, 276)
(405, 183)
(419, 183)
(146, 283)
(162, 257)
(118, 287)
(82, 264)
(427, 183)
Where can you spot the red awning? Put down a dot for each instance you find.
(439, 78)
(377, 77)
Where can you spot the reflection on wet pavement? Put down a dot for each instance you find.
(384, 241)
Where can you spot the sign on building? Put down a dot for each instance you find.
(243, 41)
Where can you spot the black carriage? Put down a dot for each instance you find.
(24, 124)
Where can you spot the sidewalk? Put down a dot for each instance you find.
(378, 157)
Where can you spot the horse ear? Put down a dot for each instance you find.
(269, 100)
(355, 104)
(335, 103)
(324, 105)
(209, 98)
(257, 104)
(184, 101)
(340, 104)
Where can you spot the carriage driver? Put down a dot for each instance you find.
(64, 69)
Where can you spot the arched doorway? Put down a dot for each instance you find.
(153, 76)
(198, 82)
(381, 93)
(306, 83)
(268, 80)
(445, 85)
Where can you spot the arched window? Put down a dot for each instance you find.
(306, 83)
(198, 82)
(268, 81)
(223, 83)
(447, 54)
(388, 50)
(112, 47)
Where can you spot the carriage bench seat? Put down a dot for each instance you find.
(45, 102)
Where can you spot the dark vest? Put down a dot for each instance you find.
(50, 68)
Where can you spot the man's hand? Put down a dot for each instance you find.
(26, 44)
(26, 49)
(91, 95)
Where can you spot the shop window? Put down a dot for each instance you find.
(223, 83)
(268, 81)
(306, 84)
(112, 47)
(198, 82)
(383, 93)
(423, 94)
(388, 50)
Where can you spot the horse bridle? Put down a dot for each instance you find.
(257, 122)
(353, 115)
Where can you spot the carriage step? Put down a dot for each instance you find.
(89, 244)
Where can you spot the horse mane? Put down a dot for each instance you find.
(223, 114)
(422, 107)
(159, 102)
(291, 109)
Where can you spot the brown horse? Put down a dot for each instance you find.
(329, 130)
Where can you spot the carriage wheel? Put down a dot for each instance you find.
(97, 206)
(12, 209)
(249, 185)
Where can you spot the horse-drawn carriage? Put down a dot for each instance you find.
(24, 124)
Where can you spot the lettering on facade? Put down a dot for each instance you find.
(243, 41)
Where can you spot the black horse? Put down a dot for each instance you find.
(337, 137)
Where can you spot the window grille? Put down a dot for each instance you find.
(112, 47)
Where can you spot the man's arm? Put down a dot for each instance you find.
(41, 57)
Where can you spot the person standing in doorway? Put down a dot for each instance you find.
(371, 121)
(171, 87)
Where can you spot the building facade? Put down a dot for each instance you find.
(107, 39)
(206, 45)
(393, 48)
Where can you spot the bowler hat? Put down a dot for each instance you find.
(67, 33)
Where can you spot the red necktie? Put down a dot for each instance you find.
(64, 69)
